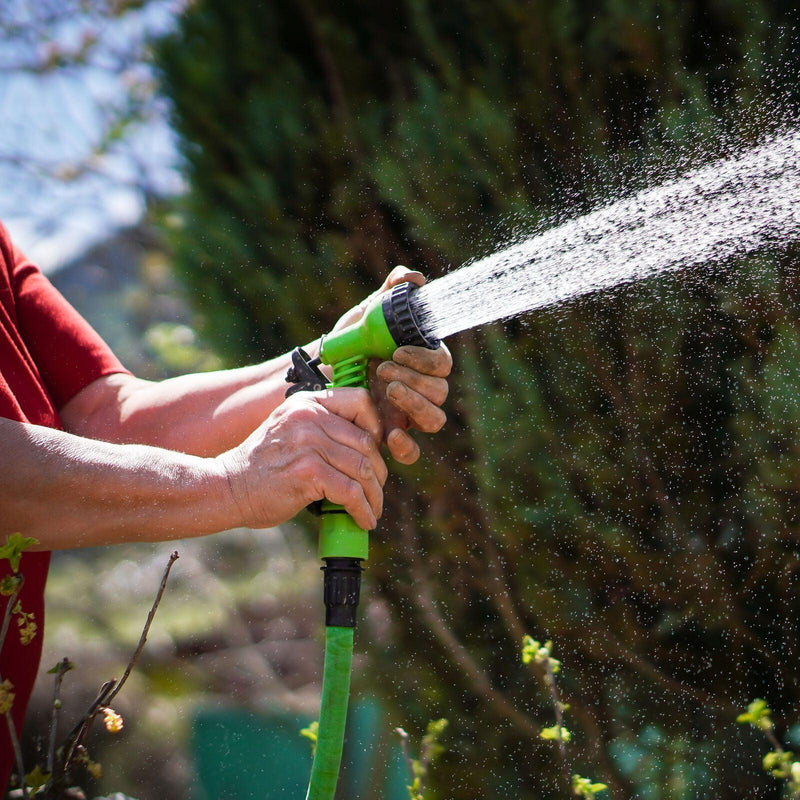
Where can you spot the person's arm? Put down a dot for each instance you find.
(69, 491)
(208, 413)
(203, 414)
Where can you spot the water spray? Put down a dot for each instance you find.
(388, 322)
(728, 208)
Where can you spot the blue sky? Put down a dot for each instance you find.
(52, 121)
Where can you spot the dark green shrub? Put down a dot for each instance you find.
(621, 475)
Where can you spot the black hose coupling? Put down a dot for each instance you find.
(342, 587)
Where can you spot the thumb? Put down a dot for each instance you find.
(401, 274)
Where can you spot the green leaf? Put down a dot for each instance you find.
(539, 653)
(65, 665)
(15, 545)
(757, 715)
(778, 763)
(8, 585)
(36, 778)
(555, 733)
(583, 787)
(311, 733)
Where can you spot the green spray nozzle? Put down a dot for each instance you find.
(387, 323)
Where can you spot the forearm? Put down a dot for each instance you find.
(67, 491)
(203, 414)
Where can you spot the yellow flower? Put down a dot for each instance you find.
(112, 720)
(6, 696)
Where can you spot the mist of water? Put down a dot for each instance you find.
(727, 208)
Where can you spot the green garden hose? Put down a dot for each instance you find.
(332, 713)
(387, 323)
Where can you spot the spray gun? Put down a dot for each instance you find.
(388, 323)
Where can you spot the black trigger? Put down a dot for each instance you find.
(304, 374)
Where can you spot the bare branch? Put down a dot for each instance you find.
(12, 732)
(110, 689)
(62, 669)
(406, 754)
(78, 733)
(143, 638)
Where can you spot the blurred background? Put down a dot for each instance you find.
(214, 182)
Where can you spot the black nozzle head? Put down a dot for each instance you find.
(400, 318)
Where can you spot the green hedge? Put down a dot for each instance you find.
(620, 475)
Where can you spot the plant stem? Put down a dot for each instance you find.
(773, 739)
(51, 750)
(110, 689)
(562, 749)
(404, 745)
(78, 733)
(12, 601)
(12, 732)
(143, 638)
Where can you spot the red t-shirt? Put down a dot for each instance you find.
(48, 353)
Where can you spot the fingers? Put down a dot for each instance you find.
(349, 442)
(417, 386)
(358, 467)
(352, 437)
(344, 491)
(422, 414)
(402, 447)
(437, 362)
(433, 388)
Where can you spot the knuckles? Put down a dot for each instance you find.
(362, 398)
(307, 469)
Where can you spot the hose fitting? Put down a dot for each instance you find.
(341, 591)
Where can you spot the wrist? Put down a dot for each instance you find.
(230, 470)
(220, 503)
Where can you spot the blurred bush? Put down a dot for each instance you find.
(621, 475)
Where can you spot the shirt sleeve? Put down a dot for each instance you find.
(67, 351)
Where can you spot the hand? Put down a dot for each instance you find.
(410, 389)
(315, 445)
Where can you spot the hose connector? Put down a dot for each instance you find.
(341, 592)
(400, 318)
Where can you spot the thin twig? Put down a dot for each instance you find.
(63, 667)
(78, 733)
(773, 739)
(406, 754)
(476, 676)
(12, 732)
(566, 767)
(110, 689)
(12, 601)
(143, 638)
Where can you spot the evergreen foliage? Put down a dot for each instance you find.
(621, 476)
